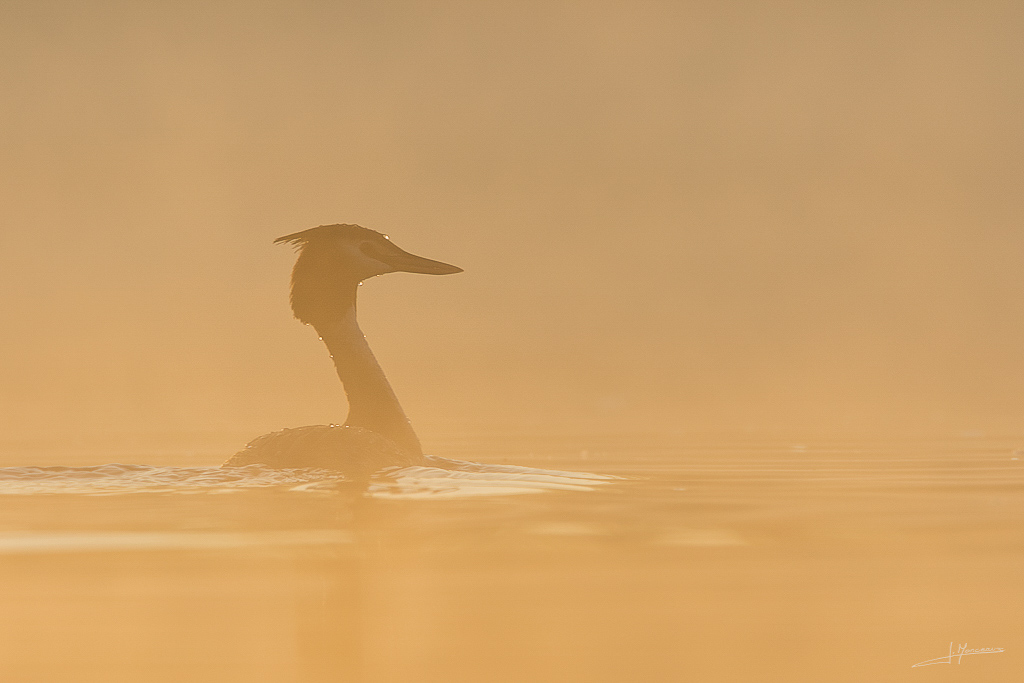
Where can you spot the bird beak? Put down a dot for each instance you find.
(403, 261)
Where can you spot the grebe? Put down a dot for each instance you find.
(333, 260)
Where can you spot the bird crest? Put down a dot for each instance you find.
(323, 232)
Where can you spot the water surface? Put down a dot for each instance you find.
(641, 558)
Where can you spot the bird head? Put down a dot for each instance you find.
(335, 258)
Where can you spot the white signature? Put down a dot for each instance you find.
(961, 652)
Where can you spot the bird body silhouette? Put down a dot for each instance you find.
(333, 260)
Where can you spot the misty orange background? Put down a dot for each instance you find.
(695, 216)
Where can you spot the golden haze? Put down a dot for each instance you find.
(689, 216)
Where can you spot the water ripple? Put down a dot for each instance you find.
(121, 478)
(443, 479)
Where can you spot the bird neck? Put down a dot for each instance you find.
(372, 403)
